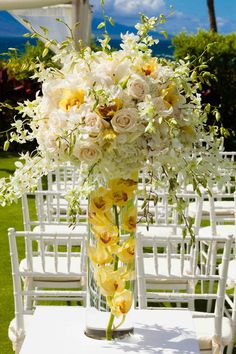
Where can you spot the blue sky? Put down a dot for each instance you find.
(189, 14)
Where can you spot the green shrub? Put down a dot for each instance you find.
(219, 51)
(16, 85)
(21, 65)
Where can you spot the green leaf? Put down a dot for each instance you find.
(164, 33)
(218, 116)
(111, 21)
(6, 145)
(101, 25)
(45, 52)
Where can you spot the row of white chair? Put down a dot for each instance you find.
(161, 262)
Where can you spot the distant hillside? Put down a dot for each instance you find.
(9, 27)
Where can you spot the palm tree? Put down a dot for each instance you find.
(211, 15)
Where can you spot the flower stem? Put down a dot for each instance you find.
(109, 327)
(112, 317)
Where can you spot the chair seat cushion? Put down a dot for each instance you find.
(150, 270)
(155, 230)
(221, 230)
(231, 276)
(17, 337)
(204, 327)
(222, 208)
(75, 267)
(81, 229)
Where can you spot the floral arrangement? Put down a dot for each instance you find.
(112, 113)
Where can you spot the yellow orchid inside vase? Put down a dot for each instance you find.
(111, 250)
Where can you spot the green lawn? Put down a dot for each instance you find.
(9, 217)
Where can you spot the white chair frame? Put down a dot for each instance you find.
(69, 273)
(192, 276)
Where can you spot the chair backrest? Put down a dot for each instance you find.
(64, 261)
(178, 261)
(222, 209)
(174, 211)
(49, 208)
(64, 178)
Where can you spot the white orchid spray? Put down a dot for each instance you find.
(113, 112)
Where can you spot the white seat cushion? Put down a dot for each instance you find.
(222, 208)
(205, 332)
(231, 276)
(221, 230)
(17, 337)
(150, 271)
(62, 229)
(75, 267)
(158, 230)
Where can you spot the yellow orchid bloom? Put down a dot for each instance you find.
(130, 220)
(71, 98)
(149, 67)
(100, 200)
(99, 255)
(170, 95)
(99, 218)
(107, 111)
(121, 303)
(122, 190)
(128, 183)
(107, 235)
(109, 280)
(108, 135)
(126, 251)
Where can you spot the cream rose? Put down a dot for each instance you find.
(87, 152)
(94, 123)
(125, 120)
(137, 88)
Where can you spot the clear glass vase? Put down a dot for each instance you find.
(111, 259)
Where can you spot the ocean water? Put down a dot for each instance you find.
(162, 49)
(14, 42)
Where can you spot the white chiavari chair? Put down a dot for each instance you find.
(169, 216)
(213, 330)
(48, 211)
(40, 265)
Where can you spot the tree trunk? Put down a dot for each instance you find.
(212, 16)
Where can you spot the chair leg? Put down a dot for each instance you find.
(230, 347)
(212, 271)
(28, 301)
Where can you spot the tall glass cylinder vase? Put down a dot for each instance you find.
(111, 259)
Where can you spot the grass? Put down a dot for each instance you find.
(10, 216)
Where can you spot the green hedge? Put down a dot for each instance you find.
(221, 60)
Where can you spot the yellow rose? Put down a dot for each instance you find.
(130, 220)
(71, 98)
(126, 251)
(99, 255)
(121, 303)
(109, 280)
